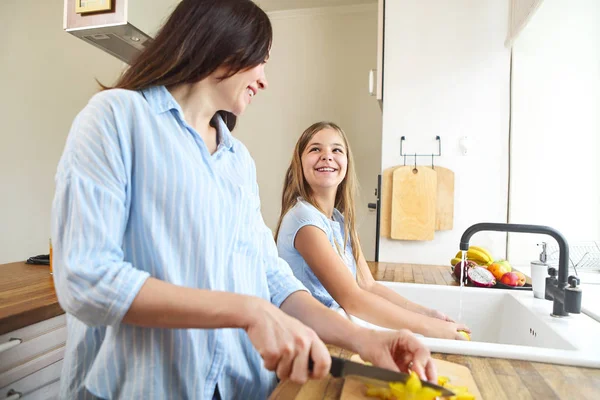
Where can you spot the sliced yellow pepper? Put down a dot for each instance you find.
(414, 390)
(442, 380)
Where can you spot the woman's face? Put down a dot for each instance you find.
(324, 160)
(238, 91)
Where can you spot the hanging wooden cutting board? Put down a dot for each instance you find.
(459, 376)
(414, 194)
(385, 215)
(444, 209)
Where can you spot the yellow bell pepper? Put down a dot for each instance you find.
(414, 390)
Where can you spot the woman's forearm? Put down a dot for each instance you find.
(164, 305)
(331, 327)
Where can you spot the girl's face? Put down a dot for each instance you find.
(324, 160)
(236, 92)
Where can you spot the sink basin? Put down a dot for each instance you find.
(506, 324)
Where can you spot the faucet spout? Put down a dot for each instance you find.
(555, 293)
(563, 247)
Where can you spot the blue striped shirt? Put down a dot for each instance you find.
(305, 214)
(138, 194)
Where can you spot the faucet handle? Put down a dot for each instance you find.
(552, 272)
(573, 281)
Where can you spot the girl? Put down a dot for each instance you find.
(316, 235)
(168, 275)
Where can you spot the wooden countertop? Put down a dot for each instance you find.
(496, 379)
(27, 296)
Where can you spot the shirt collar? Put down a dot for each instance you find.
(224, 134)
(161, 100)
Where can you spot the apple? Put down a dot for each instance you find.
(522, 279)
(510, 279)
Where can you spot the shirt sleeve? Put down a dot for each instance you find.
(89, 216)
(280, 279)
(298, 217)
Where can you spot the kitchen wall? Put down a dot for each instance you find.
(318, 70)
(555, 149)
(46, 76)
(447, 74)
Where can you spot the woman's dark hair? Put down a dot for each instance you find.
(199, 37)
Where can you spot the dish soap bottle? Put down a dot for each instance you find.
(539, 272)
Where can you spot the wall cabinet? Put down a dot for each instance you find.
(376, 75)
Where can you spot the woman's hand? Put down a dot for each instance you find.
(397, 350)
(285, 344)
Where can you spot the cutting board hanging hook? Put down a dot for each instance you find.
(415, 170)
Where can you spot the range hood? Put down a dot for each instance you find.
(521, 12)
(121, 28)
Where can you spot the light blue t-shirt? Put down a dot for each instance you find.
(303, 214)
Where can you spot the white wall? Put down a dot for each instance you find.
(556, 125)
(46, 76)
(317, 71)
(447, 74)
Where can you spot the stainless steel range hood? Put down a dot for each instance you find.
(122, 31)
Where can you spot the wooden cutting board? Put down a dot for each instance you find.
(444, 207)
(459, 375)
(444, 211)
(414, 194)
(385, 216)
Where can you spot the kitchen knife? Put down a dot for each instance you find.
(342, 368)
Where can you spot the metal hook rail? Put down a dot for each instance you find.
(402, 154)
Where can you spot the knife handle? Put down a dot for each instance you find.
(337, 366)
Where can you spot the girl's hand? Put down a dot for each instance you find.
(447, 330)
(439, 315)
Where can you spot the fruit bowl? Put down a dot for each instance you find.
(498, 285)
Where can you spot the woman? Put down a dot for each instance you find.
(316, 235)
(169, 276)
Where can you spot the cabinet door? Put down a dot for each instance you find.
(376, 75)
(380, 39)
(38, 346)
(43, 384)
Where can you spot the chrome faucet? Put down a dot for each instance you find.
(566, 299)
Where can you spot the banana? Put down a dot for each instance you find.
(484, 251)
(454, 261)
(477, 254)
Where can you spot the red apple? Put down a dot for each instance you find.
(510, 279)
(522, 279)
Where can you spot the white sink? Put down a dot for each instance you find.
(507, 324)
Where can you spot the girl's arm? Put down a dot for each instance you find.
(366, 282)
(314, 246)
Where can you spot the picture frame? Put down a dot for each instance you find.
(90, 6)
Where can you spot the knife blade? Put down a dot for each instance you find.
(341, 368)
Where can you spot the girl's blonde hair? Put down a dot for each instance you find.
(295, 186)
